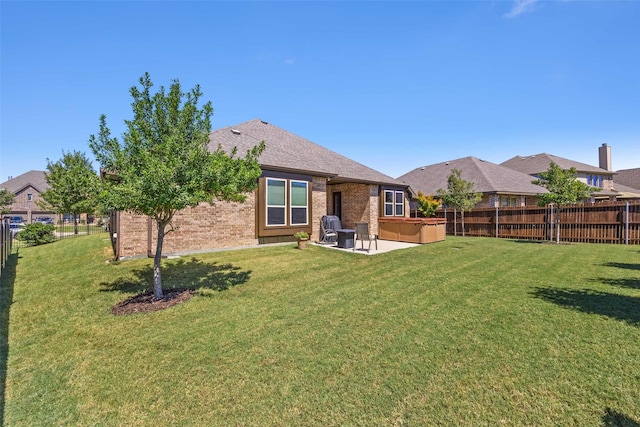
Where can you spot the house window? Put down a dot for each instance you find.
(287, 202)
(299, 202)
(595, 180)
(276, 201)
(393, 203)
(506, 201)
(29, 197)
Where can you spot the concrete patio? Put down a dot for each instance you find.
(383, 246)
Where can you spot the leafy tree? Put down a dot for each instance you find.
(459, 194)
(73, 186)
(164, 165)
(428, 205)
(6, 200)
(564, 190)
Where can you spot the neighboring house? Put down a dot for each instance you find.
(301, 181)
(27, 189)
(499, 186)
(601, 177)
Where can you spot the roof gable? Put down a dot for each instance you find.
(35, 179)
(486, 177)
(289, 152)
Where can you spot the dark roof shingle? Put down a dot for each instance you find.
(288, 152)
(629, 177)
(34, 178)
(537, 163)
(486, 177)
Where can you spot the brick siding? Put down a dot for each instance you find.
(203, 227)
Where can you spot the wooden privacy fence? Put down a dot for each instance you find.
(606, 222)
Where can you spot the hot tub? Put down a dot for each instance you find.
(412, 230)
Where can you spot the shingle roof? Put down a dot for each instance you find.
(626, 190)
(629, 177)
(486, 177)
(288, 152)
(34, 178)
(537, 163)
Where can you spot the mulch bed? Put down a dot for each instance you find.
(145, 303)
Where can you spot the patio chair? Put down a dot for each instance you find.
(362, 234)
(327, 229)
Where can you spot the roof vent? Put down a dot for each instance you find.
(236, 131)
(266, 123)
(447, 163)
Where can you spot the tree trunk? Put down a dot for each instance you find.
(157, 276)
(75, 224)
(558, 230)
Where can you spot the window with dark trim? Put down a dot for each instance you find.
(276, 201)
(287, 202)
(393, 203)
(299, 202)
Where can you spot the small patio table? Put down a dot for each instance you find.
(346, 238)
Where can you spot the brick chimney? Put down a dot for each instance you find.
(604, 153)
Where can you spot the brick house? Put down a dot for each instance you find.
(27, 189)
(301, 182)
(500, 186)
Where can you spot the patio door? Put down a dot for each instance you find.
(337, 204)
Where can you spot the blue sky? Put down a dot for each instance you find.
(393, 85)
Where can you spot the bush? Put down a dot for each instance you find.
(36, 234)
(428, 205)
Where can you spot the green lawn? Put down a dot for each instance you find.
(469, 331)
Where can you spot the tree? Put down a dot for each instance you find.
(164, 165)
(73, 186)
(459, 194)
(428, 205)
(6, 200)
(564, 189)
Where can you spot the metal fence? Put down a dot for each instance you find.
(605, 222)
(5, 243)
(67, 230)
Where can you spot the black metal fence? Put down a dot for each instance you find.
(64, 230)
(5, 243)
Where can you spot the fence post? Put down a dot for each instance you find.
(626, 224)
(497, 220)
(455, 222)
(551, 221)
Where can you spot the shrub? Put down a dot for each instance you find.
(428, 205)
(36, 234)
(301, 235)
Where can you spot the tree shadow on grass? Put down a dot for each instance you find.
(7, 281)
(620, 283)
(613, 418)
(180, 274)
(624, 265)
(620, 307)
